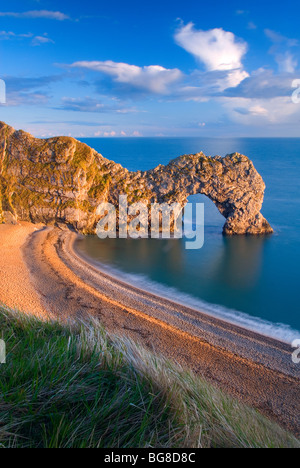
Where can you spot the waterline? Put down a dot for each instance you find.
(279, 331)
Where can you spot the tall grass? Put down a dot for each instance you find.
(73, 385)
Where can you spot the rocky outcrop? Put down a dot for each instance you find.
(61, 180)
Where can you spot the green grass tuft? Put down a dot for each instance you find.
(73, 385)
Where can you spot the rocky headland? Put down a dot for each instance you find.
(62, 181)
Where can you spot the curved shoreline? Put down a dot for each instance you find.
(256, 369)
(240, 320)
(214, 330)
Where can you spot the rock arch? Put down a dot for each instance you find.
(61, 180)
(232, 183)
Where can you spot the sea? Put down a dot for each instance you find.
(250, 281)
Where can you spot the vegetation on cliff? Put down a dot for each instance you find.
(61, 180)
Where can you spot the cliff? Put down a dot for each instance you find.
(61, 180)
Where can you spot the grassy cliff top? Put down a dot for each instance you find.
(72, 385)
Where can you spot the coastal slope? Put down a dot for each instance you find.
(61, 180)
(255, 369)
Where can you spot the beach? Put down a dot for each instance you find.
(43, 273)
(16, 288)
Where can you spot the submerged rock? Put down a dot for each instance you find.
(61, 180)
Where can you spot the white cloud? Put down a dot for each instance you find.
(90, 104)
(242, 12)
(284, 58)
(286, 63)
(251, 25)
(256, 112)
(38, 40)
(7, 35)
(46, 14)
(153, 78)
(233, 79)
(27, 98)
(278, 38)
(216, 48)
(110, 133)
(82, 104)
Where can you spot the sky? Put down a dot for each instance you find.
(152, 68)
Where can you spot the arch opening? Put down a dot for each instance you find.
(213, 219)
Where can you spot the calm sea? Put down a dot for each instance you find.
(247, 280)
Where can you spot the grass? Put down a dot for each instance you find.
(73, 385)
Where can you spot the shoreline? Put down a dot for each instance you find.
(222, 334)
(16, 288)
(256, 369)
(239, 319)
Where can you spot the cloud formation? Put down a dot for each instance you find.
(220, 52)
(35, 40)
(287, 63)
(39, 40)
(27, 98)
(8, 35)
(262, 84)
(153, 78)
(256, 112)
(82, 105)
(36, 14)
(88, 104)
(282, 51)
(28, 90)
(217, 49)
(15, 84)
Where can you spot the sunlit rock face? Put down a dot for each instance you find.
(61, 180)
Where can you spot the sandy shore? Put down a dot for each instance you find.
(42, 271)
(16, 288)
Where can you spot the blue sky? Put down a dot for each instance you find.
(152, 68)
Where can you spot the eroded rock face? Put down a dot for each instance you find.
(61, 180)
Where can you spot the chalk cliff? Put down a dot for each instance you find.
(61, 180)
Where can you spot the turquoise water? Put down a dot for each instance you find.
(252, 281)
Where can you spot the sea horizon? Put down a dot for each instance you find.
(149, 227)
